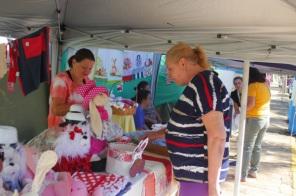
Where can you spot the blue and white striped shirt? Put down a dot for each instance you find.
(187, 136)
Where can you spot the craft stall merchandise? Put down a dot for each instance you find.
(95, 151)
(84, 161)
(90, 156)
(26, 59)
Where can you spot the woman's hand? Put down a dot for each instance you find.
(152, 136)
(155, 134)
(59, 107)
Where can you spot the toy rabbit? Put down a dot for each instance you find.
(114, 68)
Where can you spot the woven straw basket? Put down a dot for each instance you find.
(123, 112)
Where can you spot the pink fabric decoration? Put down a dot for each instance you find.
(103, 113)
(61, 187)
(88, 91)
(78, 188)
(96, 145)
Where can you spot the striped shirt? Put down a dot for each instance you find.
(187, 136)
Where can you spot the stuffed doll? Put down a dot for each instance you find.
(14, 174)
(14, 169)
(96, 101)
(88, 92)
(24, 172)
(74, 145)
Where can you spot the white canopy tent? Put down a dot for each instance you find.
(261, 31)
(256, 30)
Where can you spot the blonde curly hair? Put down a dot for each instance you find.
(183, 50)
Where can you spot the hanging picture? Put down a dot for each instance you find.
(99, 71)
(137, 65)
(115, 65)
(110, 64)
(148, 64)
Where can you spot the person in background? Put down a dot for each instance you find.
(258, 109)
(237, 94)
(151, 115)
(62, 88)
(143, 85)
(197, 135)
(144, 101)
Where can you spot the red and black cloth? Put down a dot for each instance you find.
(13, 69)
(30, 57)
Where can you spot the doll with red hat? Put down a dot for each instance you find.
(96, 101)
(75, 146)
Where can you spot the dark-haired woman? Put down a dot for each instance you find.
(139, 117)
(151, 115)
(62, 89)
(258, 109)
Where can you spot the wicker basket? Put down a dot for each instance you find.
(123, 112)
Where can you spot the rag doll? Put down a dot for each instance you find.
(14, 174)
(96, 101)
(88, 92)
(23, 169)
(74, 145)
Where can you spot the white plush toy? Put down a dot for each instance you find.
(73, 146)
(13, 176)
(74, 141)
(79, 137)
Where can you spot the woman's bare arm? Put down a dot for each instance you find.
(214, 124)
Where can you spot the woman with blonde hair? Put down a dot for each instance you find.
(198, 131)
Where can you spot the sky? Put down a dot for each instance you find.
(3, 40)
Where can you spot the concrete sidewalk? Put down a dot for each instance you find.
(275, 176)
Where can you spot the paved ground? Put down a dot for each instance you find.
(275, 177)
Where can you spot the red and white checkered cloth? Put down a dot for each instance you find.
(105, 184)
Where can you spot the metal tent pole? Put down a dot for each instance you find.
(242, 123)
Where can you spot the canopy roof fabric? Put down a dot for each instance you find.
(264, 67)
(262, 31)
